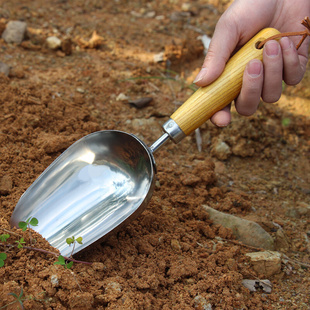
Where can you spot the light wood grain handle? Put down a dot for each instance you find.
(212, 98)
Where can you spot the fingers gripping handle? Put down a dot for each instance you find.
(212, 98)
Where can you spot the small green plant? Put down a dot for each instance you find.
(4, 237)
(286, 122)
(3, 257)
(18, 299)
(31, 221)
(61, 260)
(20, 243)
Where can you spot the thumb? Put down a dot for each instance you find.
(223, 43)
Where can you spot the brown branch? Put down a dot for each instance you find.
(10, 232)
(46, 252)
(304, 34)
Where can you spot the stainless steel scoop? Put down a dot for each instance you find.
(106, 179)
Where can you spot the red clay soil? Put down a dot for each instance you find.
(173, 256)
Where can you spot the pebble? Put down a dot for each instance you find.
(141, 102)
(267, 263)
(248, 232)
(253, 285)
(53, 43)
(220, 150)
(175, 245)
(14, 32)
(54, 280)
(4, 68)
(80, 90)
(201, 303)
(6, 185)
(160, 57)
(66, 46)
(122, 97)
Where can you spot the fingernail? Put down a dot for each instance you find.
(254, 68)
(272, 48)
(200, 75)
(286, 43)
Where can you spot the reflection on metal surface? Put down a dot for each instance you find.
(92, 188)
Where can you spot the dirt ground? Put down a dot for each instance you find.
(173, 256)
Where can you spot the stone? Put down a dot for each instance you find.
(14, 32)
(267, 263)
(53, 43)
(54, 280)
(248, 232)
(66, 46)
(220, 150)
(122, 97)
(254, 285)
(6, 185)
(201, 303)
(4, 68)
(141, 102)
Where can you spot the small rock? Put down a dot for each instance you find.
(112, 291)
(186, 7)
(53, 43)
(220, 150)
(281, 241)
(254, 285)
(66, 46)
(140, 103)
(303, 209)
(175, 245)
(267, 263)
(14, 32)
(122, 97)
(248, 232)
(160, 57)
(4, 68)
(150, 14)
(201, 303)
(98, 266)
(80, 90)
(54, 280)
(6, 185)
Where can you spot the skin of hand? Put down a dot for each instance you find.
(281, 61)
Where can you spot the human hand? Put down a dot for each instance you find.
(281, 61)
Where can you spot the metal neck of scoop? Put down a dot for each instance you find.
(172, 132)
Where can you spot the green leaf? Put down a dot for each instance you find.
(79, 240)
(20, 243)
(61, 259)
(69, 265)
(70, 240)
(22, 225)
(21, 293)
(3, 256)
(4, 237)
(34, 222)
(286, 122)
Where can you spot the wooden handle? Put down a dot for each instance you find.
(212, 98)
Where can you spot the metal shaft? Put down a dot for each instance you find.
(172, 131)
